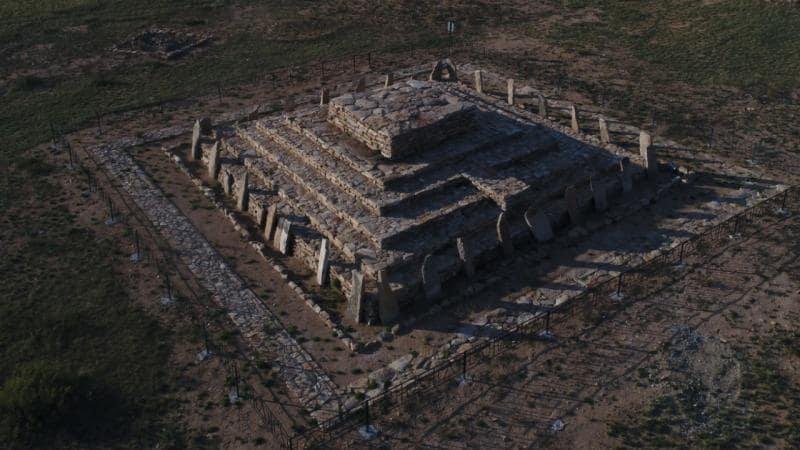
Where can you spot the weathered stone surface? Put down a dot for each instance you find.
(573, 113)
(605, 138)
(479, 81)
(269, 224)
(600, 196)
(285, 238)
(571, 200)
(323, 262)
(388, 306)
(511, 92)
(196, 151)
(430, 278)
(543, 112)
(539, 224)
(227, 182)
(261, 214)
(645, 140)
(466, 258)
(355, 301)
(504, 235)
(213, 161)
(243, 195)
(276, 237)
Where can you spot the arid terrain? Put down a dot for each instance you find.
(106, 327)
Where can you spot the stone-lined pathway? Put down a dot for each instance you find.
(260, 327)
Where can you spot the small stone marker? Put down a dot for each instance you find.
(196, 153)
(511, 91)
(466, 258)
(355, 301)
(645, 140)
(261, 214)
(625, 175)
(322, 262)
(504, 235)
(389, 80)
(285, 237)
(243, 196)
(600, 197)
(539, 224)
(573, 112)
(269, 224)
(324, 97)
(361, 85)
(430, 278)
(604, 136)
(479, 81)
(651, 161)
(227, 182)
(213, 161)
(543, 106)
(388, 307)
(571, 199)
(276, 237)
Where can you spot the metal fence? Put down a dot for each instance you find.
(630, 285)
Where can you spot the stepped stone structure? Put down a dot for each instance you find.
(415, 182)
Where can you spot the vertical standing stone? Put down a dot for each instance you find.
(276, 237)
(479, 81)
(213, 161)
(543, 106)
(539, 224)
(261, 214)
(645, 140)
(651, 161)
(361, 84)
(430, 278)
(389, 80)
(504, 235)
(227, 182)
(322, 262)
(388, 307)
(625, 175)
(243, 196)
(599, 195)
(285, 237)
(355, 301)
(269, 225)
(324, 96)
(604, 136)
(573, 112)
(571, 199)
(511, 91)
(196, 153)
(466, 257)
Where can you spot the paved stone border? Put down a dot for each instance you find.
(260, 328)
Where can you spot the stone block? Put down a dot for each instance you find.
(573, 112)
(651, 161)
(243, 194)
(605, 138)
(389, 80)
(479, 81)
(645, 140)
(504, 235)
(227, 182)
(269, 224)
(323, 263)
(466, 258)
(213, 161)
(539, 224)
(543, 112)
(388, 306)
(511, 91)
(355, 301)
(196, 153)
(431, 281)
(324, 97)
(285, 237)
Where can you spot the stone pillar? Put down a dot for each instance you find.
(276, 237)
(355, 301)
(605, 138)
(261, 214)
(543, 106)
(284, 236)
(573, 112)
(389, 80)
(227, 182)
(466, 258)
(600, 197)
(571, 199)
(324, 97)
(625, 175)
(651, 161)
(511, 91)
(479, 81)
(213, 161)
(196, 153)
(322, 262)
(539, 224)
(504, 235)
(388, 307)
(645, 140)
(243, 196)
(430, 278)
(269, 224)
(361, 85)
